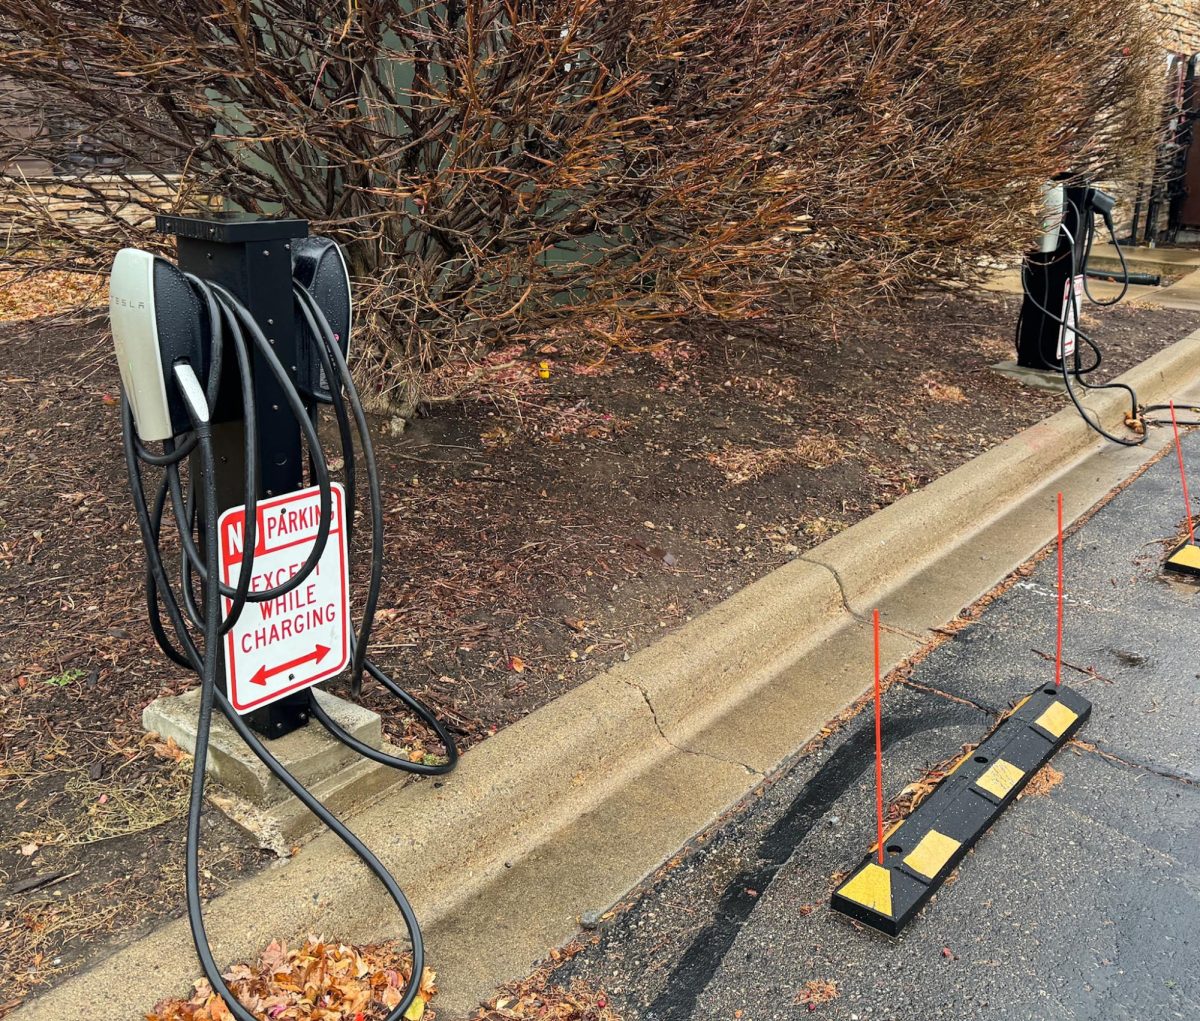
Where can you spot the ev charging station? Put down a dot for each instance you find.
(1052, 279)
(226, 358)
(1049, 331)
(1054, 275)
(1050, 336)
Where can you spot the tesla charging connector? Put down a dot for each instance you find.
(157, 319)
(1052, 205)
(320, 268)
(1103, 203)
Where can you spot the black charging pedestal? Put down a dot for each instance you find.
(251, 257)
(1047, 276)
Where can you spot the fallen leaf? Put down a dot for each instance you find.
(516, 663)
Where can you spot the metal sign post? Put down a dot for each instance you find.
(251, 258)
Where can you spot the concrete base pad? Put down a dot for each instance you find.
(284, 824)
(251, 796)
(1039, 379)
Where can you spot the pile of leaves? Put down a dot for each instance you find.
(30, 295)
(496, 167)
(317, 981)
(537, 997)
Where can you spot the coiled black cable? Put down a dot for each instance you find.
(227, 317)
(1078, 371)
(1073, 324)
(330, 354)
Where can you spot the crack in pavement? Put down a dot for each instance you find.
(861, 618)
(1094, 749)
(689, 751)
(1082, 746)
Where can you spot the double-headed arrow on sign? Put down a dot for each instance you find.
(263, 672)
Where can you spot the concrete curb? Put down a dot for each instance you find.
(874, 556)
(567, 809)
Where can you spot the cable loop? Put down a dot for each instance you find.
(196, 513)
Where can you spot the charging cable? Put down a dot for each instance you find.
(199, 624)
(1072, 323)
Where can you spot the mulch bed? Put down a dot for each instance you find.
(539, 530)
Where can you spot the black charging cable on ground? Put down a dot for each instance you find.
(228, 318)
(1072, 323)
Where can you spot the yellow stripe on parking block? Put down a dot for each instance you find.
(1186, 556)
(1000, 778)
(1056, 719)
(929, 857)
(872, 888)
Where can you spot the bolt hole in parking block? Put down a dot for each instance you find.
(965, 803)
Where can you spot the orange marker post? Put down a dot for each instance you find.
(878, 746)
(1187, 503)
(1059, 644)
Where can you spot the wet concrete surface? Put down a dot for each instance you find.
(1080, 903)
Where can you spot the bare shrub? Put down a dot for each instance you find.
(499, 166)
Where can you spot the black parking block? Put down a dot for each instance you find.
(923, 849)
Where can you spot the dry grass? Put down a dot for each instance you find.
(120, 803)
(817, 991)
(1043, 782)
(537, 998)
(104, 809)
(741, 464)
(940, 390)
(33, 938)
(820, 528)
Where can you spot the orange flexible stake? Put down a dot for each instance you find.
(878, 747)
(1059, 644)
(1187, 503)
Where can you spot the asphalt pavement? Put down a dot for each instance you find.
(1080, 903)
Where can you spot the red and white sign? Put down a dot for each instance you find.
(1072, 299)
(302, 637)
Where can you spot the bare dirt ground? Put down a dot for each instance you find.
(538, 531)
